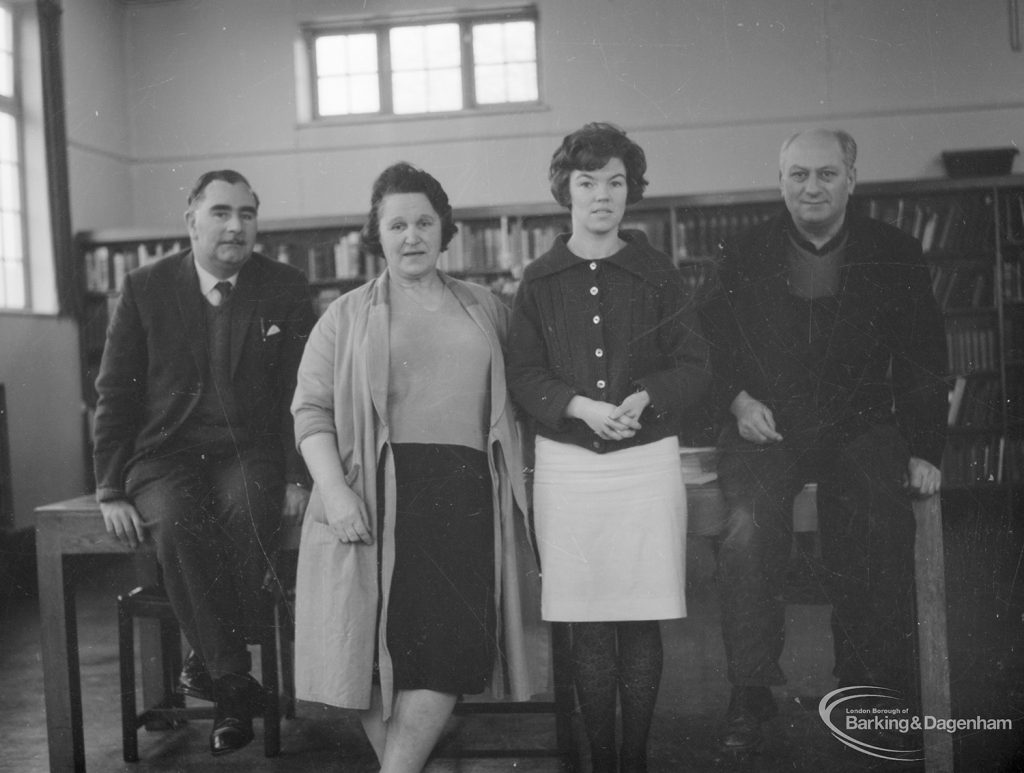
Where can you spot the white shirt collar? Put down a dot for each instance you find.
(208, 281)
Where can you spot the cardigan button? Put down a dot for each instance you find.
(593, 266)
(601, 383)
(597, 445)
(599, 352)
(597, 319)
(593, 291)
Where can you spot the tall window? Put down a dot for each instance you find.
(444, 65)
(13, 274)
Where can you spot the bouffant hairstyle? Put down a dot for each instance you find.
(406, 178)
(591, 148)
(230, 176)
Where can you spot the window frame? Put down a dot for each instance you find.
(381, 27)
(14, 106)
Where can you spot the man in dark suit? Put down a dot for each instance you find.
(193, 435)
(828, 353)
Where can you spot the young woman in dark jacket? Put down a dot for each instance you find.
(605, 354)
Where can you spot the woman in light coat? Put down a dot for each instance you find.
(408, 566)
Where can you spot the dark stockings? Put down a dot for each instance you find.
(623, 658)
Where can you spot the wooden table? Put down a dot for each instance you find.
(75, 527)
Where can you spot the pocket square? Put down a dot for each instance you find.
(273, 330)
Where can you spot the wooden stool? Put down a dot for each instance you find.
(170, 710)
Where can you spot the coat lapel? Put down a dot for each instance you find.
(246, 302)
(190, 307)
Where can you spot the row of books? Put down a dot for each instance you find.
(1013, 217)
(974, 403)
(982, 460)
(338, 258)
(961, 225)
(105, 268)
(971, 346)
(701, 233)
(1013, 281)
(958, 287)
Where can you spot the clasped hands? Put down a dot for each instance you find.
(608, 421)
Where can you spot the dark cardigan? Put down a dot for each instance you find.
(604, 329)
(886, 317)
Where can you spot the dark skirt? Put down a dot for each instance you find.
(441, 613)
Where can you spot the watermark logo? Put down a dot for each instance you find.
(875, 721)
(867, 718)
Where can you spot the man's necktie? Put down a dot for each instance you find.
(224, 288)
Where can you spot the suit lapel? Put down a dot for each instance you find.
(245, 300)
(190, 307)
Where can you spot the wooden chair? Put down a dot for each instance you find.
(170, 710)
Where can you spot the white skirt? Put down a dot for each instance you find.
(611, 532)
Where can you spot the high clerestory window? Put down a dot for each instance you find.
(465, 62)
(13, 265)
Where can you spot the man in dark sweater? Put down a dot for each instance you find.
(193, 439)
(828, 353)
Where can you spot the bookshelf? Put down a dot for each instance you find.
(971, 230)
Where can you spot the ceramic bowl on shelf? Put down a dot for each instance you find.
(983, 162)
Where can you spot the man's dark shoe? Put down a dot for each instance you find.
(195, 681)
(748, 708)
(237, 697)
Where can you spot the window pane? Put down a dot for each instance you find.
(333, 96)
(445, 90)
(11, 242)
(13, 285)
(8, 138)
(407, 49)
(442, 44)
(365, 93)
(410, 92)
(522, 82)
(487, 44)
(505, 62)
(10, 189)
(6, 53)
(347, 74)
(426, 65)
(362, 53)
(520, 42)
(490, 84)
(331, 55)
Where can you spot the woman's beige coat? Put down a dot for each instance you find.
(343, 390)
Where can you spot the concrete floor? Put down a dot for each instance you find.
(691, 703)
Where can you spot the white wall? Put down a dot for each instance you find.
(709, 87)
(39, 368)
(99, 154)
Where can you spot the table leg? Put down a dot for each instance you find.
(59, 638)
(930, 568)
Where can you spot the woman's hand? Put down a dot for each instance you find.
(344, 509)
(632, 408)
(609, 422)
(346, 515)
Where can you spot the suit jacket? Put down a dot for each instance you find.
(155, 361)
(886, 318)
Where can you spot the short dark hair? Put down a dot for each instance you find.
(406, 178)
(230, 176)
(591, 148)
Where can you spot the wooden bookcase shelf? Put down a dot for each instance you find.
(972, 232)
